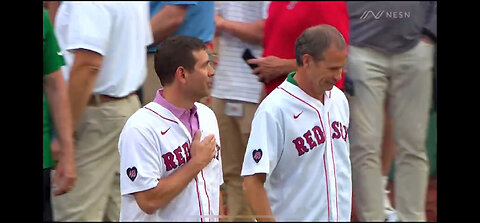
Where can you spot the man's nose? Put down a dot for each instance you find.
(211, 71)
(338, 75)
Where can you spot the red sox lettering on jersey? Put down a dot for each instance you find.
(182, 155)
(168, 158)
(316, 137)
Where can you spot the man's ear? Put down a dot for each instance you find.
(180, 75)
(307, 60)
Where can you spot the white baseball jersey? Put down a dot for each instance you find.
(153, 145)
(303, 147)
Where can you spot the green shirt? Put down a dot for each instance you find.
(52, 61)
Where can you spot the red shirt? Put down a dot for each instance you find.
(287, 20)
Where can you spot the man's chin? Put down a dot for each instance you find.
(330, 87)
(207, 93)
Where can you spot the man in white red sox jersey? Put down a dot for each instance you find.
(297, 166)
(171, 168)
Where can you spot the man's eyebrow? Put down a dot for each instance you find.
(336, 67)
(207, 62)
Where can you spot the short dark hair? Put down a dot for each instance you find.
(173, 52)
(315, 40)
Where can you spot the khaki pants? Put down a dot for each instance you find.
(406, 79)
(234, 133)
(96, 195)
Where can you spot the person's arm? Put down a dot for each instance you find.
(51, 7)
(167, 21)
(271, 67)
(83, 75)
(168, 188)
(257, 197)
(59, 105)
(248, 32)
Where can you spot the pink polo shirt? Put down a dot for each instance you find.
(189, 117)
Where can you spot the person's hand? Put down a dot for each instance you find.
(348, 86)
(203, 151)
(219, 22)
(268, 68)
(65, 172)
(427, 40)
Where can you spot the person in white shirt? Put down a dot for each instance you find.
(236, 92)
(104, 46)
(297, 164)
(170, 162)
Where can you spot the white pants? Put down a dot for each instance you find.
(406, 79)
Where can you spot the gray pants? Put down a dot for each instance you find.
(406, 79)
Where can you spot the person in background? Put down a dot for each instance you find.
(390, 58)
(236, 92)
(56, 108)
(168, 18)
(286, 20)
(104, 45)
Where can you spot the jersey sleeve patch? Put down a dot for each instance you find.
(257, 155)
(132, 173)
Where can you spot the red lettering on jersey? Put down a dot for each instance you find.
(179, 156)
(186, 150)
(218, 151)
(300, 146)
(346, 133)
(308, 137)
(336, 134)
(340, 131)
(317, 132)
(300, 142)
(168, 161)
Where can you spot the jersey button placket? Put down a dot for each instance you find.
(328, 155)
